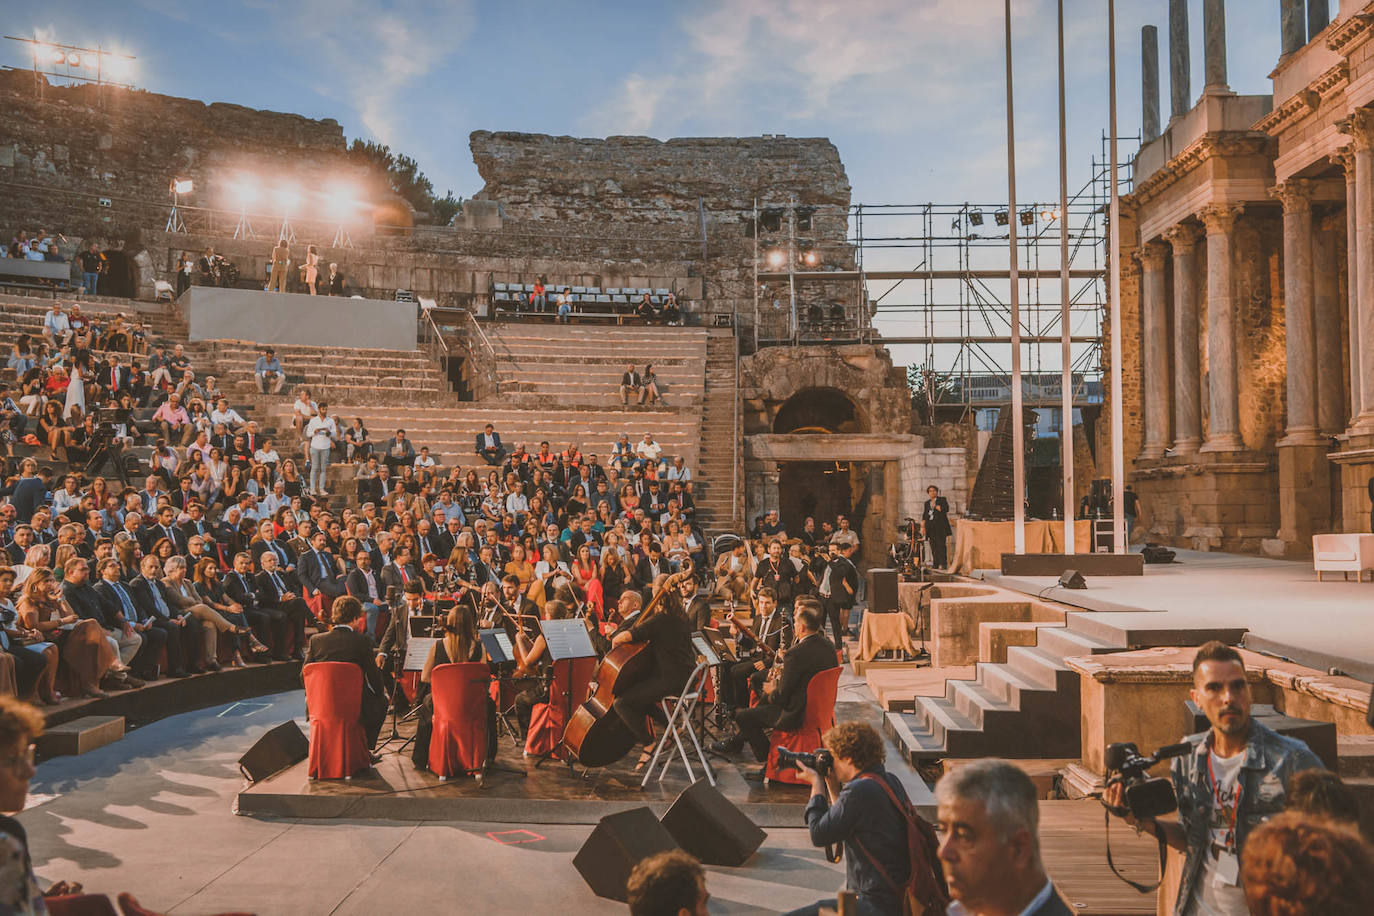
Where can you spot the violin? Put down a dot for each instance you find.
(596, 735)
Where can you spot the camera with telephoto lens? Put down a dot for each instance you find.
(820, 760)
(1145, 796)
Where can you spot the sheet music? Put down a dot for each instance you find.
(704, 650)
(417, 650)
(567, 639)
(497, 643)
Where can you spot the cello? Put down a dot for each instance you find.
(596, 735)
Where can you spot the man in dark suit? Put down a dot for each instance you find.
(400, 571)
(992, 806)
(318, 572)
(391, 653)
(362, 583)
(196, 524)
(270, 624)
(279, 591)
(696, 605)
(489, 447)
(785, 706)
(400, 452)
(119, 602)
(165, 527)
(185, 633)
(343, 643)
(650, 567)
(839, 586)
(77, 590)
(935, 520)
(114, 378)
(447, 538)
(266, 544)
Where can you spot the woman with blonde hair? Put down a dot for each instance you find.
(459, 643)
(182, 595)
(83, 648)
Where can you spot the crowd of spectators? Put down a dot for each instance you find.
(38, 246)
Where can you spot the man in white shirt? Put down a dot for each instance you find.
(679, 472)
(648, 449)
(322, 432)
(423, 460)
(227, 415)
(57, 330)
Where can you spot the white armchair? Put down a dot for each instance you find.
(1343, 553)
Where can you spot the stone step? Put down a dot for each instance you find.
(976, 703)
(1040, 667)
(958, 735)
(1005, 683)
(81, 736)
(518, 362)
(1064, 642)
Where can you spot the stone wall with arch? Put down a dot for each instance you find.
(862, 373)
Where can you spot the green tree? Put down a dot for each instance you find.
(446, 208)
(403, 176)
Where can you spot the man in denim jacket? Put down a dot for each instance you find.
(1235, 778)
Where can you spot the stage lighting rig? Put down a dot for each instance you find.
(177, 187)
(975, 217)
(1001, 217)
(777, 258)
(70, 62)
(1027, 217)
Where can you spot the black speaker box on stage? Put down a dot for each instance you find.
(1071, 578)
(882, 591)
(276, 750)
(710, 827)
(616, 846)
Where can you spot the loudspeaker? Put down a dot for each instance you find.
(275, 751)
(710, 827)
(1154, 553)
(616, 846)
(1071, 578)
(882, 591)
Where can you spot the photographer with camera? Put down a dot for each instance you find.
(1227, 781)
(890, 850)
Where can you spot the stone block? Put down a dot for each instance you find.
(994, 638)
(81, 736)
(955, 622)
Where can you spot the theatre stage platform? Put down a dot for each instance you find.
(548, 794)
(1282, 605)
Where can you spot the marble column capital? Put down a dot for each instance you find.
(1295, 194)
(1359, 127)
(1220, 219)
(1344, 158)
(1153, 254)
(1183, 237)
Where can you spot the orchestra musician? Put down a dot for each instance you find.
(459, 643)
(750, 671)
(343, 643)
(784, 706)
(695, 604)
(533, 663)
(512, 610)
(668, 634)
(397, 635)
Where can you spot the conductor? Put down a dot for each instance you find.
(343, 643)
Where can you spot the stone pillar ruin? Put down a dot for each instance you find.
(1300, 327)
(1360, 126)
(1187, 383)
(1180, 65)
(1223, 427)
(1326, 317)
(1214, 46)
(1154, 346)
(1318, 17)
(1346, 159)
(1292, 26)
(1149, 83)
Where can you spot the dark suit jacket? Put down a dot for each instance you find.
(268, 596)
(645, 571)
(86, 602)
(391, 575)
(319, 579)
(234, 588)
(141, 590)
(481, 441)
(936, 517)
(802, 662)
(357, 586)
(151, 534)
(285, 557)
(1054, 906)
(114, 608)
(343, 644)
(206, 530)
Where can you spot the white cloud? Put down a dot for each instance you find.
(369, 56)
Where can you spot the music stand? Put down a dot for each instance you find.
(565, 641)
(712, 651)
(496, 642)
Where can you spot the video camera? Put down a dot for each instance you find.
(820, 760)
(1145, 796)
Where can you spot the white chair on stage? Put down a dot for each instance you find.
(1343, 553)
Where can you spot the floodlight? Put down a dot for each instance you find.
(342, 200)
(1001, 217)
(975, 217)
(243, 191)
(810, 259)
(287, 199)
(183, 185)
(1027, 217)
(776, 258)
(59, 56)
(73, 59)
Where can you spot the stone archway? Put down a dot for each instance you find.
(820, 410)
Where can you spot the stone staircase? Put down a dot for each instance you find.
(719, 500)
(1026, 707)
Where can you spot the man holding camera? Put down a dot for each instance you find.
(856, 802)
(1235, 777)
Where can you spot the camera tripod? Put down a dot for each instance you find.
(107, 451)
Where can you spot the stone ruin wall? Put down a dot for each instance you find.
(64, 148)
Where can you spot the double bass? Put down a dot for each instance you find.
(596, 735)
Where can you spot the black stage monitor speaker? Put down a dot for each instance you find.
(710, 827)
(882, 591)
(1154, 553)
(616, 846)
(1071, 578)
(275, 751)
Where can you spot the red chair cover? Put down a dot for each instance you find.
(459, 742)
(81, 905)
(316, 604)
(333, 699)
(129, 906)
(817, 720)
(571, 678)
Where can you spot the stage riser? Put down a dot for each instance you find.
(1087, 564)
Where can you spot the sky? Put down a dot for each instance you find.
(912, 92)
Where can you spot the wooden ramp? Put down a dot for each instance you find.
(1073, 845)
